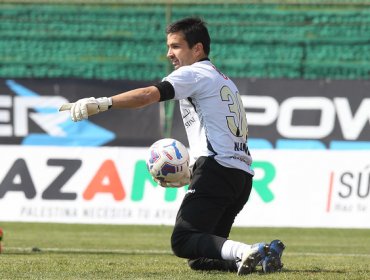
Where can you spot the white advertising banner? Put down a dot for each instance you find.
(293, 188)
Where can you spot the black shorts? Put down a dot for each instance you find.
(215, 196)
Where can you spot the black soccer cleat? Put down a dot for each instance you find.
(251, 258)
(272, 262)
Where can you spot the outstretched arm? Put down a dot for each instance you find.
(85, 107)
(136, 98)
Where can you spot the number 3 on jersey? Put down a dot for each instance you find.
(238, 122)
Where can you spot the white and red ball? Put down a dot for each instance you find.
(168, 160)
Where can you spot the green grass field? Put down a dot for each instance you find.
(70, 251)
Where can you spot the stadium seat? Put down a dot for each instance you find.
(315, 40)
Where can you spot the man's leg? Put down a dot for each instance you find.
(223, 229)
(212, 264)
(206, 215)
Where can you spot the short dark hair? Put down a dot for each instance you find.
(195, 31)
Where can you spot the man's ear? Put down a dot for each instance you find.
(198, 49)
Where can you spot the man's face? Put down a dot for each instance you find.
(179, 52)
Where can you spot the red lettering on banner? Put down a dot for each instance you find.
(106, 180)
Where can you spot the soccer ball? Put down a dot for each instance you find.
(168, 160)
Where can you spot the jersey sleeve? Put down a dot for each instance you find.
(185, 82)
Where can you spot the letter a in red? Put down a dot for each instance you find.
(106, 180)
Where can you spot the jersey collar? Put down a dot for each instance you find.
(204, 59)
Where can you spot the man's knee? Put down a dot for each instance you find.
(178, 241)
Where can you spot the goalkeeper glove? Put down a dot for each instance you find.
(185, 180)
(85, 107)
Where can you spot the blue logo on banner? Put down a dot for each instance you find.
(83, 133)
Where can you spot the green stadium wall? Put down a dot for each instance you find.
(109, 40)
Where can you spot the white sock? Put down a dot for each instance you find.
(233, 250)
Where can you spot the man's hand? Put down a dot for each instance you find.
(179, 184)
(83, 108)
(182, 182)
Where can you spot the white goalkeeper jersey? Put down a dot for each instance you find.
(213, 114)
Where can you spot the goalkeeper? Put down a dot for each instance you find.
(216, 128)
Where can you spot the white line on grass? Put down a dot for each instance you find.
(151, 252)
(83, 250)
(328, 254)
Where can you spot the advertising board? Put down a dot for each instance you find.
(310, 141)
(112, 185)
